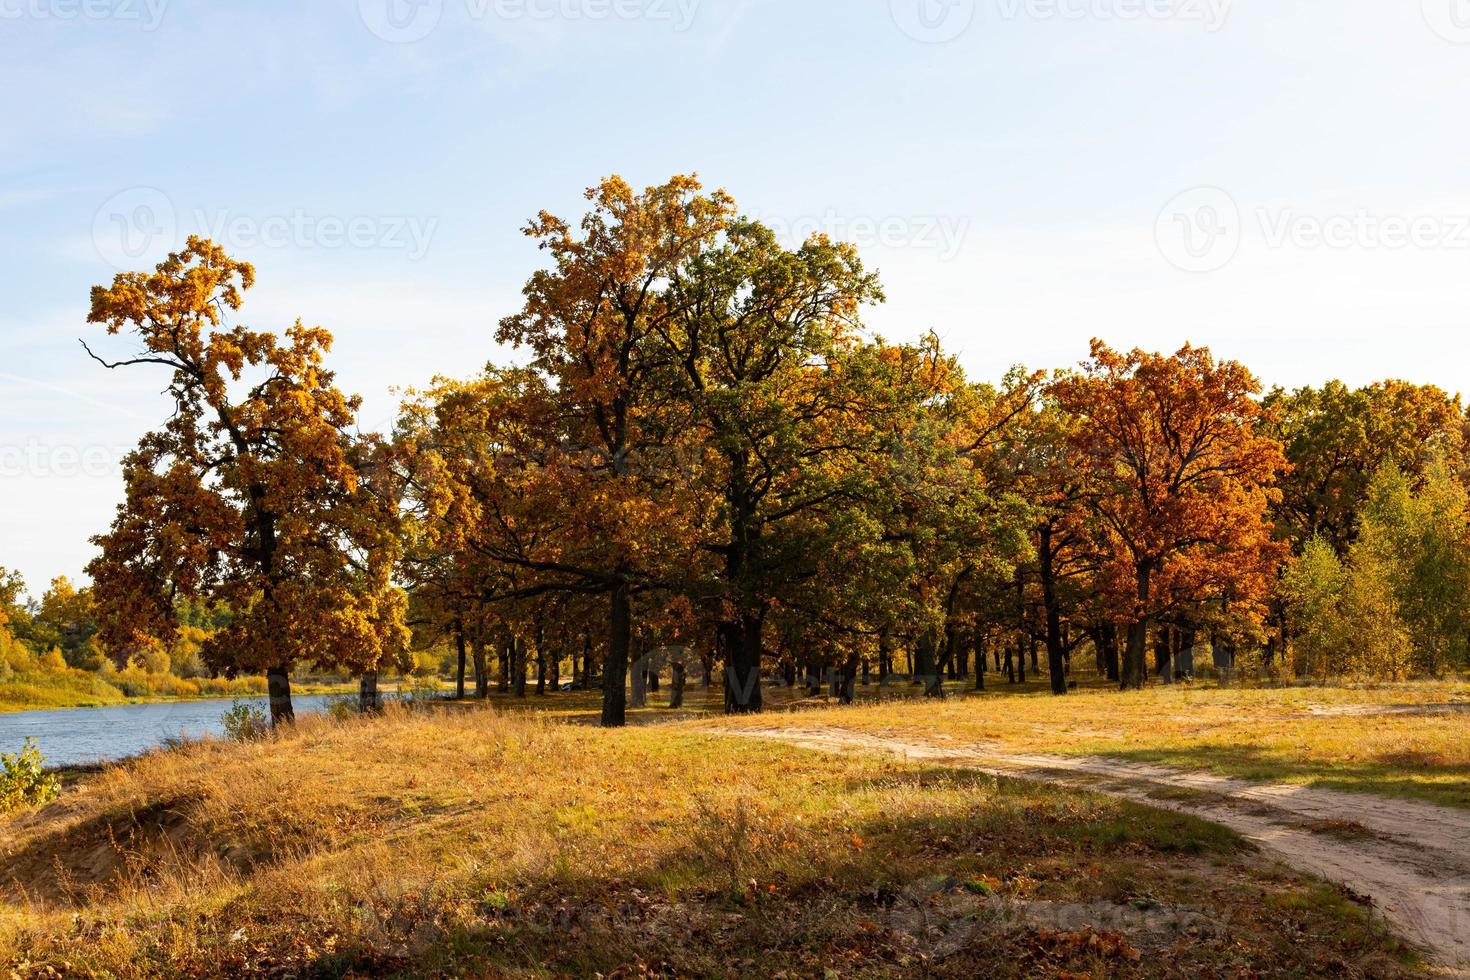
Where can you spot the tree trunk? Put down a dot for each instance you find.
(743, 666)
(278, 684)
(1224, 657)
(676, 685)
(367, 692)
(1135, 668)
(587, 672)
(615, 670)
(1055, 646)
(1109, 636)
(1056, 654)
(540, 671)
(639, 684)
(1135, 655)
(848, 692)
(926, 670)
(980, 663)
(554, 669)
(518, 667)
(1184, 653)
(482, 678)
(1164, 654)
(459, 646)
(952, 652)
(507, 654)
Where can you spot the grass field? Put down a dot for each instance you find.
(1407, 740)
(479, 842)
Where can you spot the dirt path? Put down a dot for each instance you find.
(1411, 859)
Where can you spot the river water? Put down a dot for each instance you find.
(78, 736)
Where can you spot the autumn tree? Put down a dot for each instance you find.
(1040, 454)
(1180, 478)
(1336, 438)
(951, 503)
(66, 619)
(761, 346)
(254, 495)
(590, 322)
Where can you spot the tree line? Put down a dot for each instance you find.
(701, 449)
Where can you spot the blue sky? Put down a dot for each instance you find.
(1283, 180)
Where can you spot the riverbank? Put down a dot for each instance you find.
(45, 691)
(119, 732)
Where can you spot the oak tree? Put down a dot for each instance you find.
(254, 496)
(1181, 479)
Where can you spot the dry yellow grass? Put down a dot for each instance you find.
(480, 843)
(1409, 740)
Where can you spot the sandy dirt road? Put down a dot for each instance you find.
(1411, 859)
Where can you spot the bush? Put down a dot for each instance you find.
(188, 665)
(422, 688)
(24, 780)
(133, 682)
(15, 655)
(245, 722)
(155, 660)
(343, 707)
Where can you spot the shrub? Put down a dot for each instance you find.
(133, 681)
(188, 664)
(155, 660)
(343, 707)
(245, 721)
(422, 688)
(15, 655)
(24, 780)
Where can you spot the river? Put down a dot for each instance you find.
(79, 736)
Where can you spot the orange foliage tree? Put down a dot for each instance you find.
(1178, 474)
(253, 497)
(591, 322)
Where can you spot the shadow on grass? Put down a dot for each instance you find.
(1007, 880)
(1415, 776)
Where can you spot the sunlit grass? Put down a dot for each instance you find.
(1397, 740)
(484, 842)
